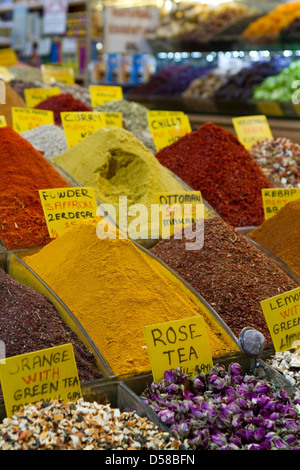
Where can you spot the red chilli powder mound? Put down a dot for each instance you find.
(23, 172)
(213, 161)
(64, 102)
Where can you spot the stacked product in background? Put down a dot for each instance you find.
(280, 87)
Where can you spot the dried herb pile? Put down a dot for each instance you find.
(231, 274)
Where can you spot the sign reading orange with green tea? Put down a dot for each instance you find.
(282, 314)
(251, 129)
(275, 199)
(39, 376)
(180, 343)
(167, 126)
(101, 94)
(66, 207)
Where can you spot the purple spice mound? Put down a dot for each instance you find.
(226, 410)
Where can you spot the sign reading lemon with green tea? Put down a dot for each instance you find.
(178, 210)
(66, 207)
(101, 94)
(252, 129)
(282, 314)
(180, 343)
(48, 374)
(275, 199)
(167, 126)
(35, 96)
(25, 119)
(2, 121)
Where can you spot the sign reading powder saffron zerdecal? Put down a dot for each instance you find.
(251, 129)
(167, 126)
(39, 376)
(180, 343)
(282, 314)
(275, 199)
(66, 207)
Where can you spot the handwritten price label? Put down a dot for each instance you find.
(39, 376)
(2, 121)
(282, 314)
(252, 129)
(25, 119)
(8, 58)
(54, 74)
(34, 96)
(167, 126)
(275, 199)
(101, 94)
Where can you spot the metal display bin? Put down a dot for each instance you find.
(22, 273)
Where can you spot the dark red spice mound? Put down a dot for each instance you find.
(213, 161)
(29, 322)
(65, 102)
(230, 273)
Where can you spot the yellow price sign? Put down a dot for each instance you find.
(270, 108)
(8, 58)
(55, 74)
(101, 94)
(282, 314)
(79, 125)
(275, 199)
(2, 121)
(34, 96)
(48, 374)
(167, 126)
(178, 210)
(25, 119)
(66, 207)
(113, 119)
(180, 343)
(252, 129)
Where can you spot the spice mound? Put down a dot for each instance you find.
(115, 289)
(280, 161)
(115, 163)
(62, 103)
(281, 235)
(29, 322)
(48, 139)
(226, 410)
(232, 274)
(12, 100)
(213, 161)
(24, 171)
(81, 426)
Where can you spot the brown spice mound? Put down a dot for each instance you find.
(29, 322)
(230, 273)
(281, 235)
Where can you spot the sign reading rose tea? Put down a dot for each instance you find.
(180, 343)
(252, 129)
(167, 126)
(39, 376)
(276, 198)
(282, 314)
(101, 94)
(66, 207)
(34, 96)
(25, 119)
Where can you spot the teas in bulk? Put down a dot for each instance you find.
(115, 289)
(81, 426)
(226, 410)
(24, 171)
(213, 161)
(230, 273)
(279, 160)
(281, 235)
(29, 322)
